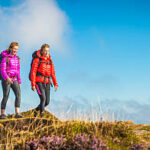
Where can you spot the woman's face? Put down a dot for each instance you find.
(46, 52)
(13, 51)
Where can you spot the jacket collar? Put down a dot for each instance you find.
(6, 54)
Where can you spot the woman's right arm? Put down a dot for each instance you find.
(4, 68)
(34, 71)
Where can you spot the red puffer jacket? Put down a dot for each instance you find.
(45, 69)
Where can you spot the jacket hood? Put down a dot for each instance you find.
(39, 55)
(5, 54)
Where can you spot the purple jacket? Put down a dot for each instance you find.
(13, 68)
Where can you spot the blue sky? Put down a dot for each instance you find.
(107, 55)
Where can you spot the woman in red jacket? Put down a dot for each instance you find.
(42, 70)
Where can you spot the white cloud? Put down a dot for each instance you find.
(33, 23)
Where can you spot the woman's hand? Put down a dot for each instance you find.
(9, 80)
(33, 88)
(56, 87)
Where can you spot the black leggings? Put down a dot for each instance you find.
(43, 91)
(6, 90)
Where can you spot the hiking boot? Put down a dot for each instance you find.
(18, 116)
(3, 116)
(42, 114)
(35, 113)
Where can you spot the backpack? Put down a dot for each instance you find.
(7, 61)
(34, 55)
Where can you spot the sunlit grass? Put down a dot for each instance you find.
(115, 134)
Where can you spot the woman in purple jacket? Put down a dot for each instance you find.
(10, 72)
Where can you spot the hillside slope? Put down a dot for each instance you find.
(123, 135)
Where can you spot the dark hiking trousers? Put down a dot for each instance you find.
(6, 90)
(43, 91)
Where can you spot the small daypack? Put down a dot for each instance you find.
(34, 55)
(7, 61)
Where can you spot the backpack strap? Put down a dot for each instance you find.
(40, 61)
(18, 58)
(7, 60)
(50, 61)
(7, 63)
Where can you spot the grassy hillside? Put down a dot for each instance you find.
(51, 133)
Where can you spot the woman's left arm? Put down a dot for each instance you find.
(18, 77)
(53, 74)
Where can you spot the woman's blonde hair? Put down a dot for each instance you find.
(43, 47)
(13, 44)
